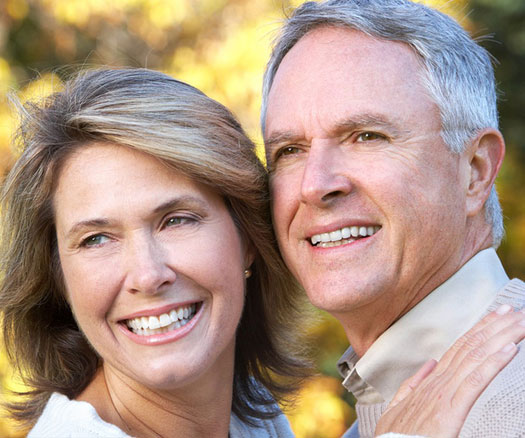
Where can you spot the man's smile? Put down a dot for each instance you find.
(342, 236)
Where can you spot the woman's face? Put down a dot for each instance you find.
(153, 265)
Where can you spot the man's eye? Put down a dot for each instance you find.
(288, 150)
(95, 240)
(369, 136)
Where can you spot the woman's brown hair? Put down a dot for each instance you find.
(196, 136)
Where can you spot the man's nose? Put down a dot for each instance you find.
(147, 268)
(324, 177)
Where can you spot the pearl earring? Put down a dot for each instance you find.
(247, 273)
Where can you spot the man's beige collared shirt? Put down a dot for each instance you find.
(425, 332)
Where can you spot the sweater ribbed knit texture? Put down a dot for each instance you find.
(500, 410)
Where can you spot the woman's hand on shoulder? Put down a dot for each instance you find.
(436, 401)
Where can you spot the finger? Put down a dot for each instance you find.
(448, 376)
(412, 382)
(491, 324)
(466, 365)
(472, 337)
(509, 335)
(476, 382)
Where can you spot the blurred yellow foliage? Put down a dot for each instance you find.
(7, 383)
(219, 46)
(17, 9)
(40, 88)
(320, 411)
(7, 124)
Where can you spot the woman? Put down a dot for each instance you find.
(143, 294)
(136, 232)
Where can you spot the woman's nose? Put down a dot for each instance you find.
(147, 267)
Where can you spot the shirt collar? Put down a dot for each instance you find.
(426, 331)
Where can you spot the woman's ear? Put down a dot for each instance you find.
(486, 154)
(249, 253)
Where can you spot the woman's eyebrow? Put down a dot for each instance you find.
(88, 223)
(186, 201)
(174, 203)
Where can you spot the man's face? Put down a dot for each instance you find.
(354, 147)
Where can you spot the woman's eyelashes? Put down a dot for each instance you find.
(94, 240)
(180, 220)
(172, 221)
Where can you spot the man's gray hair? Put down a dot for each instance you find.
(457, 72)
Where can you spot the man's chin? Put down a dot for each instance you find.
(336, 299)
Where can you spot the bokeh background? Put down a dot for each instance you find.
(221, 47)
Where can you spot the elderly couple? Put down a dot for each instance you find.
(143, 293)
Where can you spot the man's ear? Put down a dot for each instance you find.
(485, 155)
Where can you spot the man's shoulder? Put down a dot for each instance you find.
(500, 410)
(512, 293)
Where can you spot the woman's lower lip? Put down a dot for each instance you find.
(163, 338)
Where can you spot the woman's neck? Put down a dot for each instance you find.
(201, 409)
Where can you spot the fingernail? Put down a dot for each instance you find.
(508, 348)
(522, 322)
(522, 310)
(504, 308)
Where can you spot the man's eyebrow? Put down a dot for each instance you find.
(186, 201)
(281, 138)
(344, 125)
(366, 120)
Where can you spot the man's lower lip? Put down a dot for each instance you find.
(163, 338)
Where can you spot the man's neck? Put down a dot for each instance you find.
(364, 324)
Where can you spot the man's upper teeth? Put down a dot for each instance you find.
(164, 320)
(344, 233)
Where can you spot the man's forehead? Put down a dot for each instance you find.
(314, 78)
(330, 43)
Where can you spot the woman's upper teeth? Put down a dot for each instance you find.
(344, 233)
(164, 320)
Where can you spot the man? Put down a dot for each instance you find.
(381, 132)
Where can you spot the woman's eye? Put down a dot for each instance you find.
(95, 240)
(178, 220)
(369, 136)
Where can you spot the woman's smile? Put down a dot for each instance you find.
(167, 327)
(165, 322)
